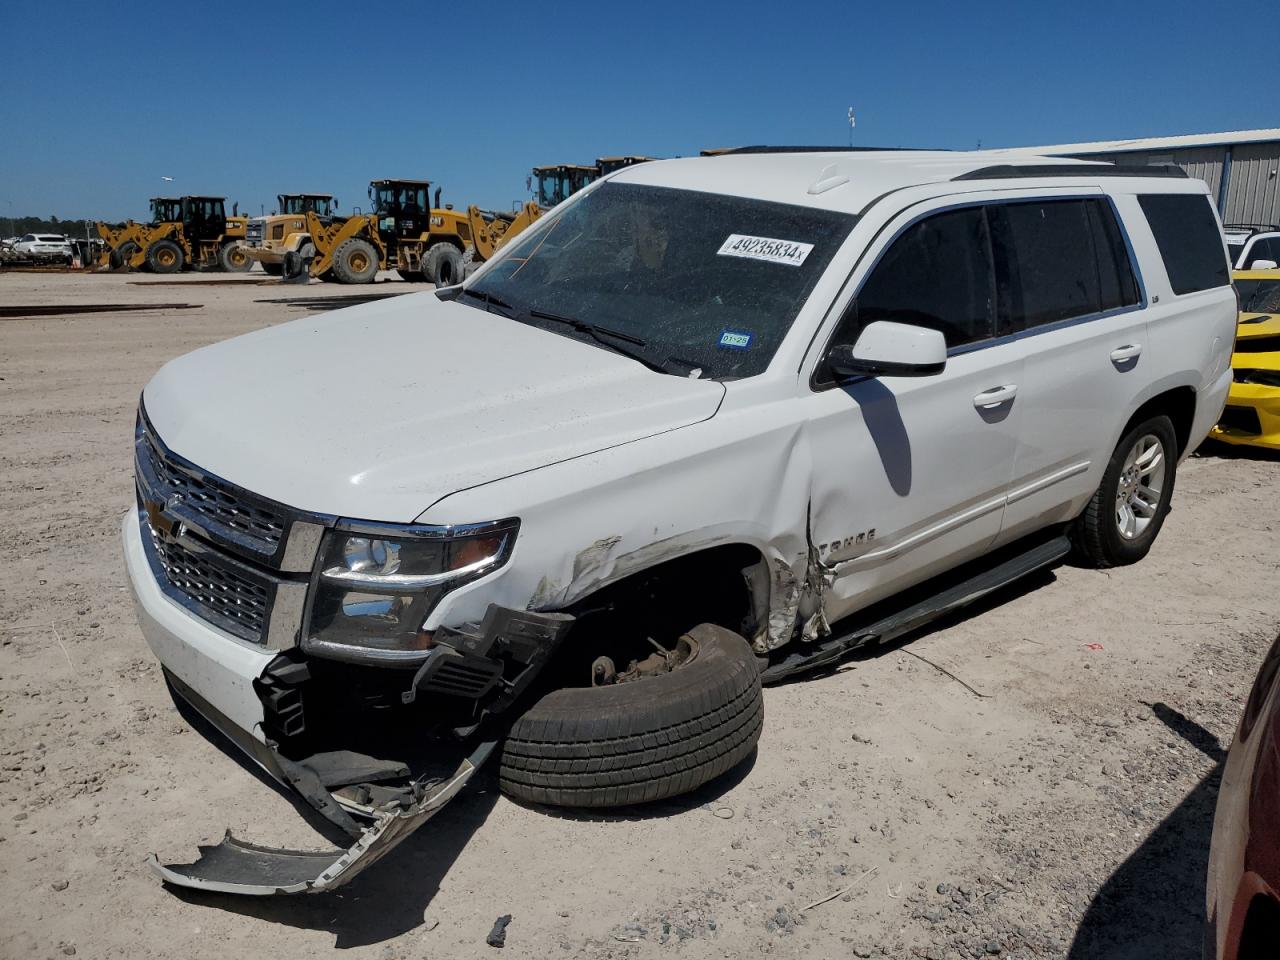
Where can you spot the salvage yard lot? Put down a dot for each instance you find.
(1057, 806)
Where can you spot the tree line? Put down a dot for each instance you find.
(18, 226)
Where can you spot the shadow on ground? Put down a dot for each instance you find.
(1153, 905)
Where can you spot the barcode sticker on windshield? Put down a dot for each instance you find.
(790, 252)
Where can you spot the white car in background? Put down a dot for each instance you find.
(44, 246)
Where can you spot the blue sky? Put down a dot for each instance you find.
(100, 100)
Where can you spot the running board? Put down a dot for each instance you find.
(831, 649)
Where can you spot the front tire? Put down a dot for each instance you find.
(164, 256)
(643, 740)
(1121, 522)
(355, 261)
(234, 260)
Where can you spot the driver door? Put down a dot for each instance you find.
(910, 473)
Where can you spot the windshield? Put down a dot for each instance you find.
(552, 188)
(407, 198)
(709, 281)
(301, 205)
(1259, 296)
(166, 211)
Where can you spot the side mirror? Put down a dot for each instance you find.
(1262, 265)
(887, 349)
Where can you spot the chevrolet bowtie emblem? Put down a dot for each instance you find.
(162, 521)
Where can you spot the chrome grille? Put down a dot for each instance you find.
(215, 589)
(253, 233)
(222, 505)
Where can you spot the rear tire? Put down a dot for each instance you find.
(273, 269)
(1121, 522)
(643, 740)
(164, 256)
(355, 261)
(234, 260)
(411, 276)
(443, 265)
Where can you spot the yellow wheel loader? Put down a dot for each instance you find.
(183, 232)
(404, 232)
(268, 239)
(490, 229)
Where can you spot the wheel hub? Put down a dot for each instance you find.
(1140, 487)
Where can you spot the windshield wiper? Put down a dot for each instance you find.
(489, 301)
(601, 335)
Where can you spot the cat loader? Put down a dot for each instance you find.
(404, 232)
(490, 229)
(184, 232)
(268, 239)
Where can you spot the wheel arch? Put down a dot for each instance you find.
(1178, 404)
(728, 584)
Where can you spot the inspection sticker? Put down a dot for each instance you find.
(735, 340)
(790, 252)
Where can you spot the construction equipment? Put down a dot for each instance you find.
(183, 232)
(606, 165)
(490, 229)
(404, 232)
(268, 239)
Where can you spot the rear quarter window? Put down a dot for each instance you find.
(1190, 242)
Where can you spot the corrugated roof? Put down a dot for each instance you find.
(1150, 143)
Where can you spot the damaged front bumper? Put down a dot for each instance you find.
(378, 803)
(234, 866)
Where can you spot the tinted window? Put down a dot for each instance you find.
(1117, 284)
(938, 274)
(1190, 242)
(1259, 296)
(1048, 268)
(1264, 248)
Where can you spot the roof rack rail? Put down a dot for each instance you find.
(1009, 171)
(1255, 227)
(765, 148)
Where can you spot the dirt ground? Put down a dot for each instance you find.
(1061, 811)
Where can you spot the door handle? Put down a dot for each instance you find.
(995, 396)
(1129, 351)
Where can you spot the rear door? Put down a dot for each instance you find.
(1071, 294)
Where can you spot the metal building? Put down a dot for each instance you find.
(1242, 167)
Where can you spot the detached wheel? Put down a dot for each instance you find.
(443, 265)
(119, 258)
(233, 259)
(164, 256)
(355, 261)
(643, 739)
(1124, 517)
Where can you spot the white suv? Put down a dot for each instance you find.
(44, 246)
(711, 421)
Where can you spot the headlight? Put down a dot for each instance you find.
(375, 585)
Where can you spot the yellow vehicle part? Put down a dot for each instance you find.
(1252, 415)
(327, 239)
(489, 231)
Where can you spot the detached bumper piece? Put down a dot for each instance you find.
(234, 866)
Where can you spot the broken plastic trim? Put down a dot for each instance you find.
(234, 866)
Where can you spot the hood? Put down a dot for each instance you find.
(377, 411)
(1254, 325)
